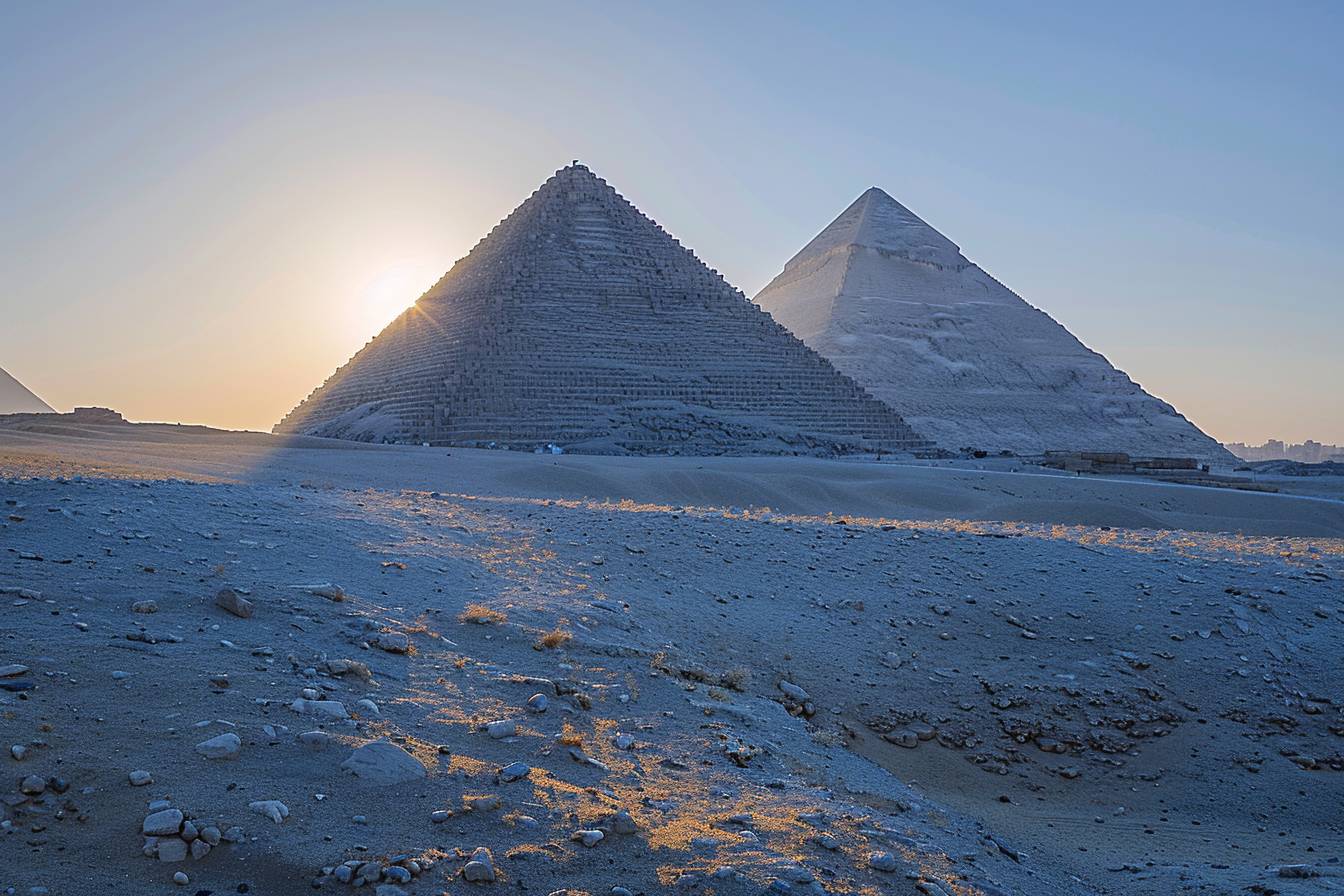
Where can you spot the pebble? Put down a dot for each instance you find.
(140, 777)
(210, 834)
(181, 879)
(588, 838)
(32, 785)
(439, 816)
(537, 703)
(172, 849)
(199, 849)
(481, 868)
(275, 810)
(383, 763)
(792, 690)
(393, 642)
(501, 728)
(330, 709)
(18, 751)
(315, 739)
(622, 823)
(235, 603)
(514, 771)
(162, 823)
(12, 670)
(224, 746)
(882, 861)
(625, 741)
(144, 606)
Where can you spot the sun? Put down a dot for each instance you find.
(391, 291)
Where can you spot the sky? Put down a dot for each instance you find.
(208, 207)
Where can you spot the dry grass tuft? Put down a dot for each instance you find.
(480, 614)
(570, 736)
(553, 639)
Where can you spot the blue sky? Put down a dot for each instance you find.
(208, 207)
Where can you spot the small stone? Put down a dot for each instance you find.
(481, 868)
(514, 771)
(33, 785)
(625, 741)
(383, 763)
(235, 603)
(501, 728)
(12, 670)
(370, 708)
(588, 838)
(232, 835)
(144, 606)
(369, 872)
(904, 738)
(792, 690)
(140, 777)
(172, 849)
(188, 832)
(199, 849)
(18, 751)
(882, 861)
(275, 810)
(330, 709)
(315, 740)
(392, 642)
(343, 874)
(210, 834)
(537, 703)
(165, 822)
(181, 879)
(622, 823)
(396, 875)
(225, 746)
(439, 816)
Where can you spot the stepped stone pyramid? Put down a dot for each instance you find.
(580, 322)
(15, 398)
(894, 304)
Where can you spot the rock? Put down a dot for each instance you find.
(330, 709)
(199, 849)
(392, 642)
(793, 691)
(903, 738)
(481, 868)
(625, 741)
(57, 784)
(18, 751)
(181, 879)
(588, 838)
(163, 823)
(501, 728)
(210, 834)
(172, 849)
(224, 746)
(369, 871)
(439, 816)
(370, 708)
(882, 861)
(315, 740)
(188, 832)
(13, 670)
(396, 875)
(383, 763)
(232, 835)
(32, 785)
(228, 599)
(537, 703)
(144, 606)
(275, 810)
(140, 777)
(514, 771)
(622, 823)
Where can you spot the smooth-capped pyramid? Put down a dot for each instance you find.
(15, 398)
(580, 322)
(894, 304)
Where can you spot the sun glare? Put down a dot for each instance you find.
(391, 291)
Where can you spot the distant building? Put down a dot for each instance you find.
(1308, 452)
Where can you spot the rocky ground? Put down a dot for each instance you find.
(268, 676)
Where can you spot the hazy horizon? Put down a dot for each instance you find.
(209, 213)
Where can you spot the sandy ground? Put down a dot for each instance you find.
(816, 676)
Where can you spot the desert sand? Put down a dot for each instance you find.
(753, 673)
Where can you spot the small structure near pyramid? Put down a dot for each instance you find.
(16, 398)
(894, 304)
(579, 322)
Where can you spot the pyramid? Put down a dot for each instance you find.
(15, 398)
(894, 304)
(580, 322)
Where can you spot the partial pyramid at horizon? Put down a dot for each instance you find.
(968, 363)
(16, 398)
(579, 322)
